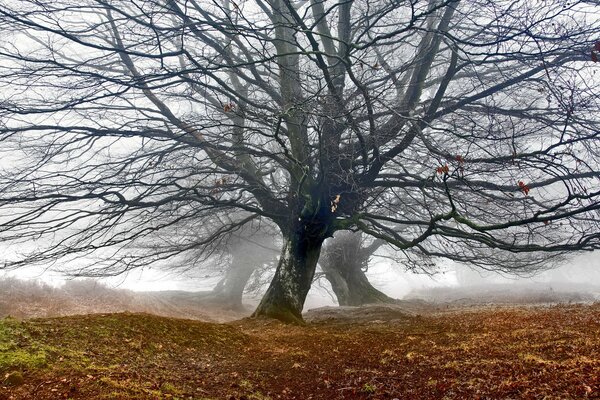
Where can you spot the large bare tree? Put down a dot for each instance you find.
(462, 129)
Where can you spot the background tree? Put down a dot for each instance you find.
(229, 246)
(344, 261)
(460, 129)
(249, 250)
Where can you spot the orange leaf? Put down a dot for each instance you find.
(444, 169)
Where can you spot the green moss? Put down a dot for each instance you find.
(246, 385)
(22, 359)
(104, 347)
(170, 388)
(7, 328)
(16, 350)
(258, 396)
(369, 388)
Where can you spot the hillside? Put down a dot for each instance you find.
(508, 352)
(23, 299)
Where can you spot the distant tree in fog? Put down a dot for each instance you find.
(249, 250)
(344, 261)
(460, 129)
(231, 246)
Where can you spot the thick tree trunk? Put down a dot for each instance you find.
(342, 263)
(352, 287)
(285, 297)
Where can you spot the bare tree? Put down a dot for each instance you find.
(344, 261)
(230, 246)
(249, 251)
(461, 129)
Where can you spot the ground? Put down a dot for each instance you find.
(483, 352)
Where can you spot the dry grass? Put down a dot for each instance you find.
(491, 353)
(33, 299)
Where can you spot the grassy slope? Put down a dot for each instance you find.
(498, 353)
(34, 299)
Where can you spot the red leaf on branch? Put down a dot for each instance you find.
(460, 159)
(523, 187)
(444, 169)
(597, 46)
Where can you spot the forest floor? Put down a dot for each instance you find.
(375, 352)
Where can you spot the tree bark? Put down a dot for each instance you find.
(342, 262)
(352, 287)
(285, 297)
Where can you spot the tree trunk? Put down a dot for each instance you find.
(352, 287)
(285, 297)
(228, 292)
(342, 262)
(250, 248)
(339, 285)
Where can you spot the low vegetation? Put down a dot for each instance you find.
(34, 299)
(525, 352)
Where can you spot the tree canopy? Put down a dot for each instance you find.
(460, 129)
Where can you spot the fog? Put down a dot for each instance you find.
(577, 279)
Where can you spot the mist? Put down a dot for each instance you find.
(177, 293)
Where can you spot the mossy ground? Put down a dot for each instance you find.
(492, 353)
(17, 351)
